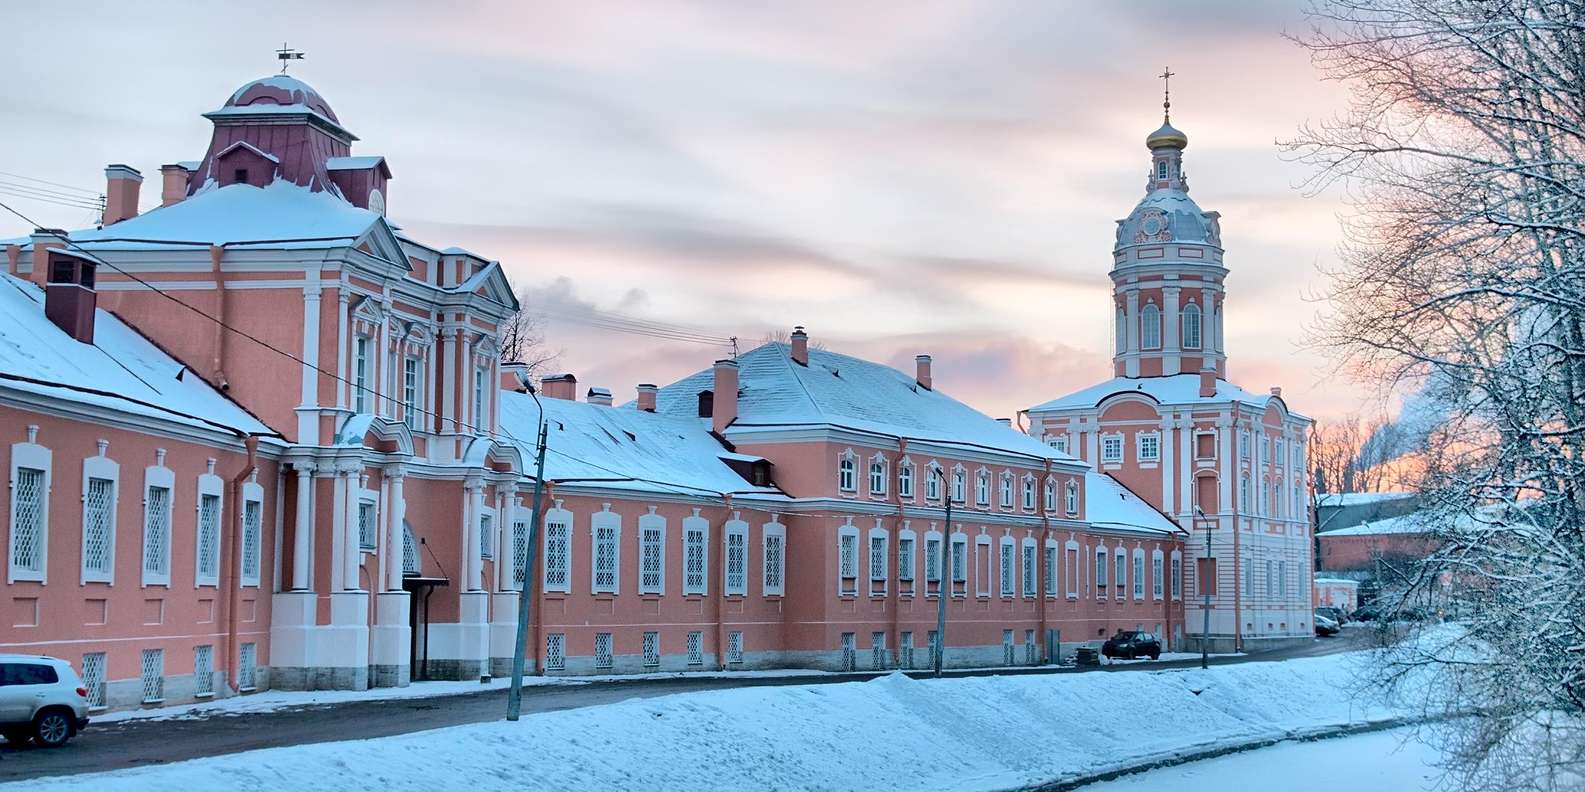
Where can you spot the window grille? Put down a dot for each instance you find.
(555, 652)
(878, 651)
(208, 538)
(411, 563)
(696, 648)
(366, 525)
(1121, 581)
(774, 563)
(157, 533)
(694, 545)
(1029, 570)
(94, 679)
(1009, 654)
(734, 647)
(905, 559)
(248, 667)
(849, 652)
(204, 670)
(878, 559)
(1007, 569)
(736, 561)
(98, 506)
(1177, 578)
(905, 650)
(1031, 652)
(651, 649)
(153, 676)
(1100, 571)
(27, 524)
(605, 558)
(519, 552)
(960, 561)
(651, 562)
(486, 536)
(557, 555)
(602, 651)
(1051, 571)
(1139, 575)
(933, 560)
(1112, 448)
(252, 525)
(847, 556)
(934, 640)
(1155, 575)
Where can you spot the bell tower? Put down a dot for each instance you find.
(1167, 271)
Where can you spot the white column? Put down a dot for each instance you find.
(1131, 365)
(463, 384)
(1186, 452)
(448, 359)
(393, 566)
(470, 536)
(1171, 361)
(302, 539)
(352, 554)
(307, 412)
(341, 343)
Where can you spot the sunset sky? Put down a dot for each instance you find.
(899, 177)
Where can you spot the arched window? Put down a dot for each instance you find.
(1191, 326)
(1150, 327)
(1072, 497)
(905, 479)
(1161, 169)
(845, 475)
(878, 475)
(1122, 330)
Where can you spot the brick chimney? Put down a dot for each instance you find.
(646, 397)
(514, 377)
(922, 371)
(173, 184)
(601, 396)
(1276, 390)
(70, 298)
(44, 240)
(559, 386)
(13, 258)
(1207, 381)
(723, 410)
(800, 346)
(122, 183)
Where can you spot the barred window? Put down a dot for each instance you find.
(605, 553)
(651, 649)
(652, 554)
(486, 536)
(878, 651)
(27, 523)
(366, 525)
(208, 539)
(775, 558)
(905, 559)
(1029, 569)
(94, 679)
(157, 535)
(1139, 574)
(98, 533)
(603, 656)
(252, 527)
(204, 671)
(1007, 568)
(153, 677)
(877, 558)
(847, 556)
(519, 552)
(556, 652)
(737, 557)
(695, 544)
(1051, 571)
(411, 562)
(696, 648)
(734, 647)
(933, 560)
(1155, 574)
(960, 560)
(247, 667)
(1177, 575)
(558, 551)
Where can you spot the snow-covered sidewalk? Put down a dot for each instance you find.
(893, 732)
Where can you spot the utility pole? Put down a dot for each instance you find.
(945, 589)
(514, 699)
(1205, 591)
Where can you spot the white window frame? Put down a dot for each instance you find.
(1120, 590)
(1071, 497)
(1149, 327)
(1148, 446)
(102, 468)
(877, 475)
(412, 391)
(933, 481)
(360, 373)
(157, 476)
(1139, 573)
(773, 581)
(982, 488)
(211, 485)
(1051, 495)
(847, 559)
(905, 479)
(252, 493)
(369, 500)
(933, 560)
(1157, 573)
(960, 484)
(33, 456)
(1007, 485)
(1110, 442)
(558, 521)
(734, 570)
(600, 521)
(1103, 560)
(958, 545)
(696, 542)
(487, 533)
(879, 558)
(1029, 571)
(907, 548)
(1007, 567)
(982, 571)
(1029, 492)
(1191, 319)
(1053, 552)
(1177, 575)
(479, 379)
(651, 544)
(847, 471)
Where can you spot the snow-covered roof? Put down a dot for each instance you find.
(1185, 220)
(839, 391)
(623, 449)
(1345, 499)
(1176, 389)
(243, 144)
(120, 370)
(353, 163)
(1331, 581)
(239, 213)
(1412, 523)
(1110, 505)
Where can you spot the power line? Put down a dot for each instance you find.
(18, 191)
(93, 193)
(65, 196)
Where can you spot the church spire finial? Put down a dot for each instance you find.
(1166, 94)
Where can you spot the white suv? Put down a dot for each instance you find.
(42, 698)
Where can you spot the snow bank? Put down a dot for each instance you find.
(888, 733)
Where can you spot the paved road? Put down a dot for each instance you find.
(136, 743)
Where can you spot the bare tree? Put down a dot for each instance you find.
(1464, 269)
(523, 340)
(1351, 455)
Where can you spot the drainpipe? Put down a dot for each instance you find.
(720, 587)
(1238, 579)
(218, 364)
(1041, 564)
(251, 443)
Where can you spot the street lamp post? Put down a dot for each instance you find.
(514, 699)
(1205, 591)
(945, 586)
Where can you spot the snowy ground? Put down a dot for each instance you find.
(889, 733)
(1389, 761)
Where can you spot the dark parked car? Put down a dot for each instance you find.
(1324, 624)
(1131, 645)
(1335, 614)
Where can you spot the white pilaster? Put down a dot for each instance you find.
(303, 533)
(393, 566)
(307, 410)
(342, 340)
(1131, 363)
(1171, 359)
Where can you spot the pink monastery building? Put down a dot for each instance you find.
(258, 437)
(1169, 426)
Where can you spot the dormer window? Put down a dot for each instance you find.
(240, 176)
(1161, 169)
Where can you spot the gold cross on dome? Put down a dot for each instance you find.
(1166, 76)
(286, 55)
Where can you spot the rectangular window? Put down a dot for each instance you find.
(1149, 447)
(556, 652)
(982, 489)
(1282, 578)
(208, 539)
(696, 648)
(1139, 576)
(651, 649)
(157, 536)
(1112, 448)
(153, 676)
(1031, 651)
(982, 568)
(737, 559)
(98, 511)
(1007, 569)
(479, 421)
(1177, 578)
(1071, 568)
(360, 374)
(960, 563)
(27, 524)
(877, 559)
(558, 555)
(252, 529)
(846, 478)
(486, 536)
(603, 656)
(1100, 572)
(905, 481)
(905, 650)
(651, 558)
(1205, 446)
(1060, 443)
(878, 651)
(958, 484)
(933, 560)
(1029, 494)
(1155, 575)
(734, 647)
(1009, 653)
(849, 652)
(412, 390)
(1007, 492)
(877, 478)
(1030, 575)
(933, 639)
(1120, 582)
(248, 668)
(933, 483)
(1051, 571)
(605, 558)
(848, 562)
(203, 671)
(905, 559)
(94, 679)
(366, 525)
(694, 542)
(1072, 498)
(1205, 576)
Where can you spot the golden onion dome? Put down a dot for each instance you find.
(1167, 137)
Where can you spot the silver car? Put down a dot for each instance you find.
(41, 698)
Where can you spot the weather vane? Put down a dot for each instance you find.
(1166, 93)
(286, 55)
